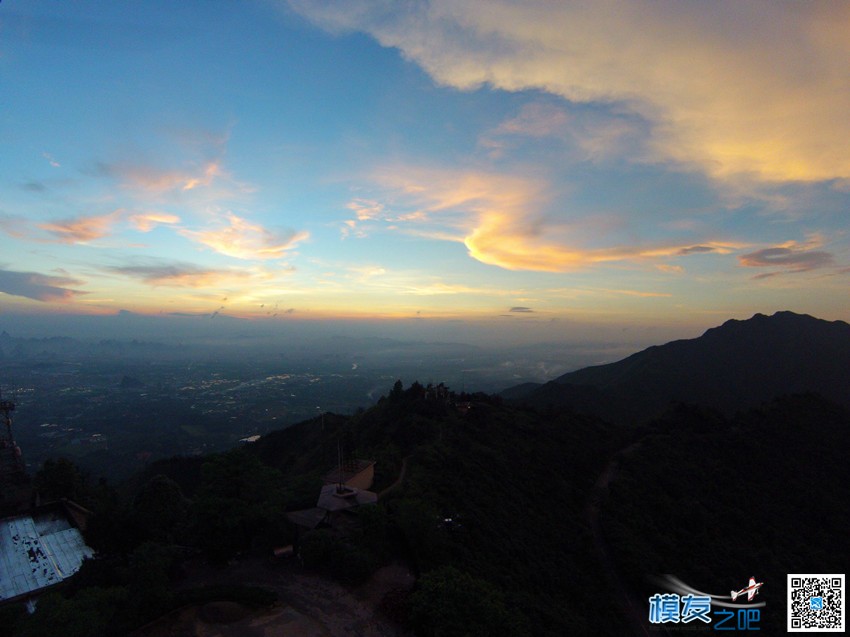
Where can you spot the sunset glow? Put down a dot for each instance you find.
(596, 162)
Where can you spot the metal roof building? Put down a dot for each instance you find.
(37, 551)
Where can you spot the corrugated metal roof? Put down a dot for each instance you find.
(36, 552)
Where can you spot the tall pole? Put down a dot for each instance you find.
(7, 406)
(339, 466)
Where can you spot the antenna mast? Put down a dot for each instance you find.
(15, 490)
(11, 462)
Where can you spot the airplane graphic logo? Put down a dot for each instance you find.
(751, 590)
(686, 604)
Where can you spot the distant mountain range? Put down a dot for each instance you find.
(738, 365)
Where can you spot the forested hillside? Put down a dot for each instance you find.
(514, 521)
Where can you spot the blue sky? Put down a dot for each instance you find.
(520, 164)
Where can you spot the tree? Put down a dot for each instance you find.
(397, 391)
(452, 603)
(60, 479)
(88, 613)
(240, 504)
(160, 509)
(150, 593)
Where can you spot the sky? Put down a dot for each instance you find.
(524, 167)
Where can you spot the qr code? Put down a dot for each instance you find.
(816, 603)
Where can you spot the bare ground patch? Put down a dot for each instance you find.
(308, 606)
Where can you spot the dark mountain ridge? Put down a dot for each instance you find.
(735, 366)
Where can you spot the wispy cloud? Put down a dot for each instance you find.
(366, 209)
(82, 229)
(156, 272)
(697, 250)
(145, 222)
(589, 135)
(786, 259)
(157, 180)
(501, 220)
(638, 293)
(15, 226)
(374, 278)
(34, 186)
(537, 120)
(237, 237)
(761, 90)
(366, 272)
(672, 269)
(521, 309)
(40, 287)
(577, 293)
(439, 288)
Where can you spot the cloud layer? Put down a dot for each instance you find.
(39, 287)
(757, 88)
(176, 274)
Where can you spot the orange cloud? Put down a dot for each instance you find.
(438, 288)
(245, 240)
(82, 229)
(758, 88)
(498, 218)
(208, 174)
(509, 243)
(156, 180)
(145, 222)
(366, 209)
(671, 269)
